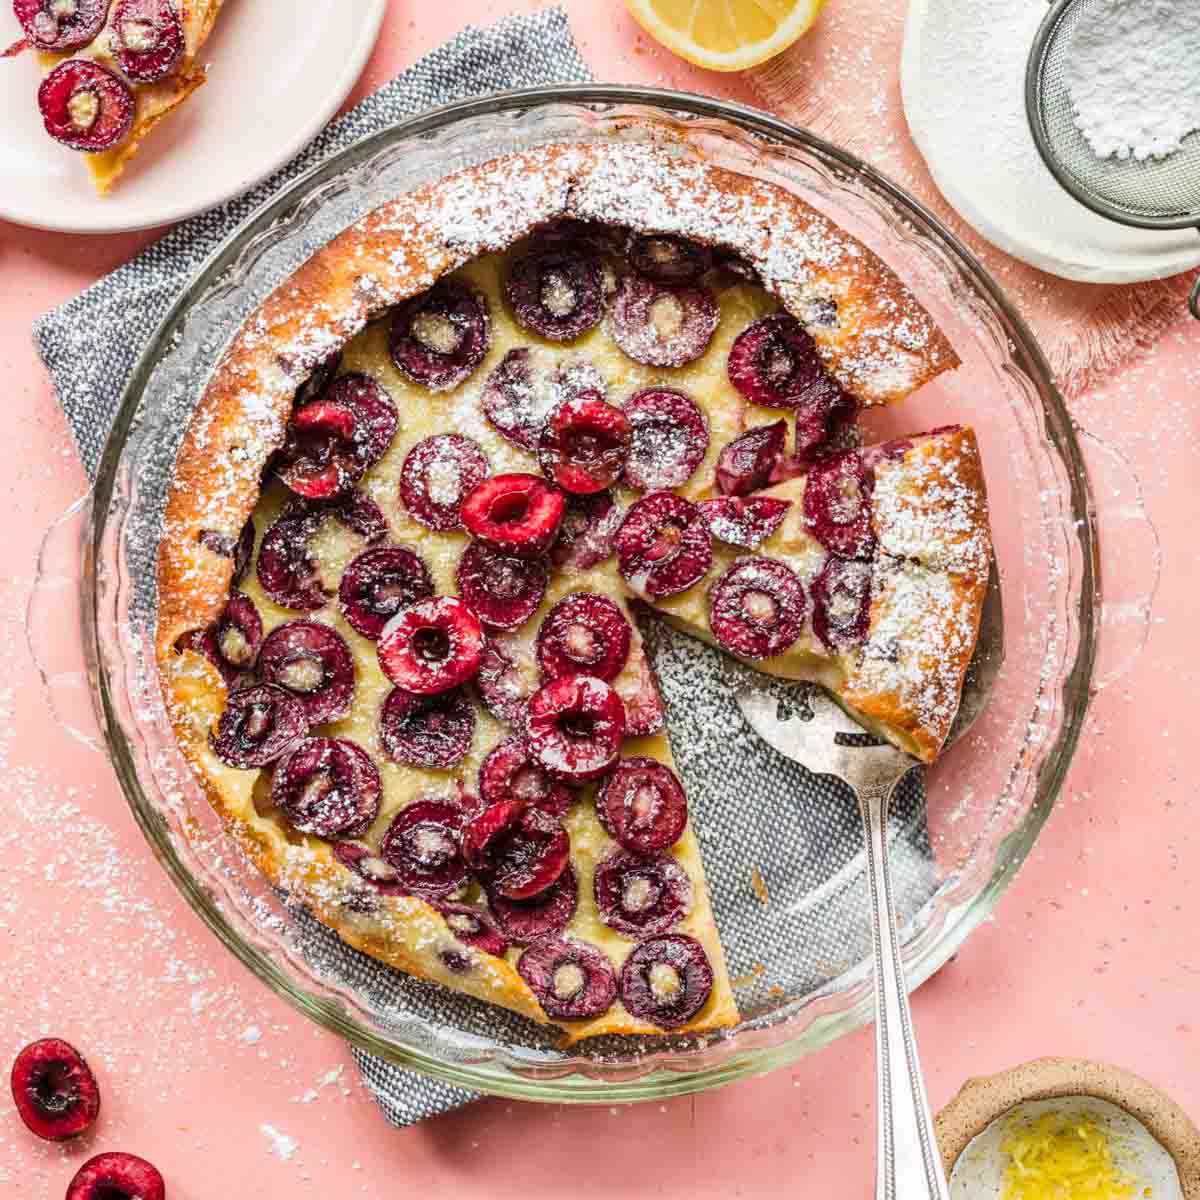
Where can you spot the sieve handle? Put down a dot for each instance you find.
(908, 1164)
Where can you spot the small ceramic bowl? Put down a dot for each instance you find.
(1153, 1139)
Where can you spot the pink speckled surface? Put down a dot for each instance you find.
(1092, 952)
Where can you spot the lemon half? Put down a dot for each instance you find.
(725, 35)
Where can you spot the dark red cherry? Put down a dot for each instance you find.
(837, 505)
(54, 1090)
(427, 731)
(287, 570)
(756, 609)
(259, 725)
(570, 980)
(520, 850)
(58, 27)
(474, 927)
(642, 895)
(584, 634)
(508, 676)
(117, 1176)
(774, 362)
(826, 410)
(238, 635)
(515, 512)
(645, 712)
(86, 106)
(555, 290)
(584, 444)
(663, 546)
(670, 439)
(431, 646)
(437, 475)
(368, 866)
(588, 532)
(314, 664)
(663, 326)
(841, 596)
(543, 915)
(240, 549)
(642, 805)
(744, 521)
(438, 338)
(148, 38)
(516, 398)
(666, 980)
(423, 847)
(667, 259)
(749, 461)
(574, 727)
(332, 440)
(503, 589)
(511, 774)
(328, 787)
(377, 584)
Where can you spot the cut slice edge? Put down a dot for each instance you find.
(726, 35)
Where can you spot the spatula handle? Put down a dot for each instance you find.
(908, 1164)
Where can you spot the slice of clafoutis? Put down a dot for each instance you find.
(871, 584)
(113, 71)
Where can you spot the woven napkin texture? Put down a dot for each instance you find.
(783, 849)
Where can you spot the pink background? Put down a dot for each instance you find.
(1092, 952)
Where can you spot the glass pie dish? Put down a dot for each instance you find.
(800, 956)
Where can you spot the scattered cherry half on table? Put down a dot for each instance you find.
(58, 1098)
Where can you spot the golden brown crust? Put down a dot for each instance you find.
(398, 251)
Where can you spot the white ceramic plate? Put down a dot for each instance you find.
(277, 72)
(963, 80)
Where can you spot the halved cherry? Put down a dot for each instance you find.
(427, 731)
(368, 866)
(438, 338)
(259, 725)
(574, 727)
(774, 362)
(431, 646)
(749, 461)
(642, 805)
(744, 521)
(148, 37)
(238, 634)
(332, 440)
(437, 475)
(505, 590)
(510, 773)
(285, 567)
(584, 634)
(516, 398)
(314, 664)
(516, 512)
(667, 980)
(508, 676)
(664, 545)
(86, 106)
(842, 603)
(328, 787)
(668, 259)
(588, 532)
(837, 505)
(663, 326)
(520, 850)
(543, 915)
(555, 290)
(377, 584)
(474, 927)
(570, 980)
(60, 26)
(826, 409)
(756, 609)
(645, 712)
(116, 1175)
(670, 439)
(641, 895)
(423, 845)
(54, 1090)
(584, 444)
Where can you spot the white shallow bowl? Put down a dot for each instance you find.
(275, 77)
(963, 82)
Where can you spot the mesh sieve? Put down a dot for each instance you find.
(1152, 194)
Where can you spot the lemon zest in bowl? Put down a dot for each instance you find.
(1061, 1157)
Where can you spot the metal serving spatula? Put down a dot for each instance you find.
(810, 728)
